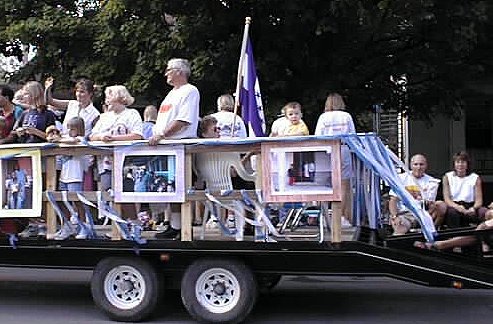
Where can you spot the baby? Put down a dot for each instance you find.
(293, 125)
(53, 134)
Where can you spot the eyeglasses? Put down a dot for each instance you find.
(170, 69)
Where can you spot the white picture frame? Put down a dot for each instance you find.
(21, 183)
(158, 174)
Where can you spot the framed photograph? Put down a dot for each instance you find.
(301, 171)
(144, 174)
(21, 181)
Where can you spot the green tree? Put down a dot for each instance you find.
(303, 49)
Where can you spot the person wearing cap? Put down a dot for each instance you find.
(225, 117)
(178, 117)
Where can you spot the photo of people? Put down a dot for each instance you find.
(17, 184)
(149, 173)
(306, 171)
(150, 176)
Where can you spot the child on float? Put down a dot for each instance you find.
(72, 179)
(293, 125)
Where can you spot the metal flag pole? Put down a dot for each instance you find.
(239, 78)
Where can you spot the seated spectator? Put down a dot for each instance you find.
(463, 195)
(422, 187)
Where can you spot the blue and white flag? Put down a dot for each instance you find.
(252, 109)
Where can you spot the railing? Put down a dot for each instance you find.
(173, 164)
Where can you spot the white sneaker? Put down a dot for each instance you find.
(83, 232)
(66, 231)
(345, 223)
(74, 219)
(212, 223)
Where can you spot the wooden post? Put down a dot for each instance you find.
(115, 234)
(336, 221)
(50, 186)
(186, 207)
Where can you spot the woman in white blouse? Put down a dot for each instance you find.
(463, 194)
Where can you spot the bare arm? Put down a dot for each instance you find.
(174, 127)
(393, 206)
(478, 194)
(447, 197)
(57, 103)
(112, 138)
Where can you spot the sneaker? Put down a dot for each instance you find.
(66, 231)
(169, 234)
(30, 231)
(345, 223)
(83, 232)
(41, 230)
(231, 222)
(74, 219)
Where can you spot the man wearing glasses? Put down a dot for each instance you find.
(178, 117)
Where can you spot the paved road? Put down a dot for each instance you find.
(48, 296)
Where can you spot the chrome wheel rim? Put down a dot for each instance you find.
(124, 287)
(217, 290)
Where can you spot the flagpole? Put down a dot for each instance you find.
(248, 20)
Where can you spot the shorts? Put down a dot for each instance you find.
(70, 186)
(403, 223)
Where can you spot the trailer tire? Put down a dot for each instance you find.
(219, 291)
(125, 289)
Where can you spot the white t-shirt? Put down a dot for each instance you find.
(88, 114)
(128, 121)
(462, 188)
(73, 168)
(180, 104)
(225, 123)
(335, 122)
(428, 186)
(279, 124)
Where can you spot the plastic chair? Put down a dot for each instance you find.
(215, 169)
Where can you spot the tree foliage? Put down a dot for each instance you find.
(409, 55)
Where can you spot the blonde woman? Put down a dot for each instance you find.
(118, 123)
(335, 121)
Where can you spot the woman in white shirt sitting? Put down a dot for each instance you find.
(463, 195)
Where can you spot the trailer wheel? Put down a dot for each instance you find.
(126, 289)
(220, 291)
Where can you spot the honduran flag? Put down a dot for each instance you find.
(252, 110)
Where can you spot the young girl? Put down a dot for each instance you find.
(71, 178)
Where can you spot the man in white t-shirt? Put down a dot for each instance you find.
(178, 117)
(422, 187)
